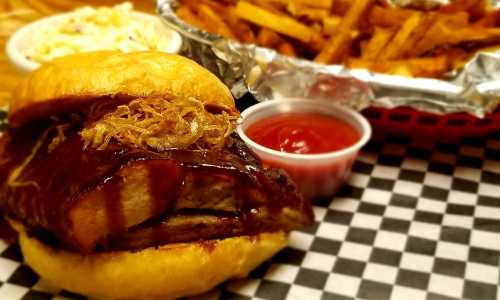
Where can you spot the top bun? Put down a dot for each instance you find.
(68, 83)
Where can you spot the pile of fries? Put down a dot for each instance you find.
(366, 34)
(16, 13)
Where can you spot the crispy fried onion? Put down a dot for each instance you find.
(160, 124)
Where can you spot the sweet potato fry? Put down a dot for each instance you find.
(396, 47)
(282, 24)
(341, 39)
(379, 40)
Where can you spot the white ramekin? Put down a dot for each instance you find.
(316, 175)
(21, 40)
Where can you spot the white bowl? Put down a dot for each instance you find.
(316, 175)
(21, 40)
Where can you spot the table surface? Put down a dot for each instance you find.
(414, 222)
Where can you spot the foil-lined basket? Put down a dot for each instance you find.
(268, 75)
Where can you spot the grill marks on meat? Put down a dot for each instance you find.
(122, 197)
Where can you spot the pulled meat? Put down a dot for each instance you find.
(127, 197)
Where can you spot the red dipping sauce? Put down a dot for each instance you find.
(303, 133)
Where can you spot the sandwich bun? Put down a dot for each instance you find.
(167, 272)
(73, 81)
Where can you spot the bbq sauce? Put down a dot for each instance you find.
(7, 234)
(70, 170)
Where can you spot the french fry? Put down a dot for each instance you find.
(442, 35)
(4, 7)
(457, 57)
(270, 6)
(287, 49)
(388, 16)
(186, 14)
(449, 20)
(341, 39)
(240, 28)
(41, 7)
(457, 5)
(317, 27)
(314, 14)
(325, 4)
(330, 24)
(340, 7)
(335, 49)
(63, 5)
(391, 40)
(456, 20)
(9, 26)
(215, 6)
(282, 3)
(268, 38)
(379, 40)
(5, 97)
(17, 5)
(396, 47)
(282, 24)
(479, 10)
(491, 19)
(416, 67)
(209, 16)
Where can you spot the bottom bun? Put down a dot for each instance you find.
(167, 272)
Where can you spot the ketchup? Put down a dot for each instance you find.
(303, 133)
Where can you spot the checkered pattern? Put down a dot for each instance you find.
(413, 222)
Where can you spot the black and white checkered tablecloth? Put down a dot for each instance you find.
(413, 222)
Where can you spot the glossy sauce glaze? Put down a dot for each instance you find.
(303, 133)
(68, 172)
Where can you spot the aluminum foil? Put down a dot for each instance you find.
(268, 75)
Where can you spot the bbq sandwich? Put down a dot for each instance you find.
(124, 180)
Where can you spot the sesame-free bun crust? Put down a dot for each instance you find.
(168, 272)
(67, 83)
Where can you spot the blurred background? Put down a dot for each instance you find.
(16, 13)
